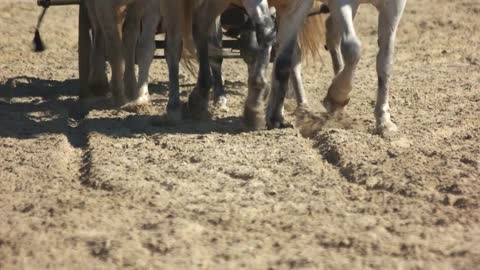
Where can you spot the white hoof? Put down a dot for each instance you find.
(136, 104)
(142, 100)
(387, 128)
(221, 103)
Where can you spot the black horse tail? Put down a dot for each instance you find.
(38, 45)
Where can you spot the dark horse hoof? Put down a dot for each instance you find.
(253, 118)
(174, 115)
(99, 89)
(274, 123)
(198, 106)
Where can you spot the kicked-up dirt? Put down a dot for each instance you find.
(109, 189)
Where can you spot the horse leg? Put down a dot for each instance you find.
(84, 50)
(97, 78)
(145, 53)
(296, 77)
(173, 52)
(204, 18)
(257, 55)
(131, 31)
(259, 12)
(257, 85)
(333, 44)
(112, 34)
(389, 18)
(216, 61)
(342, 13)
(289, 30)
(97, 81)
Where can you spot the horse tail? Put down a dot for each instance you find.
(312, 38)
(38, 45)
(189, 53)
(187, 31)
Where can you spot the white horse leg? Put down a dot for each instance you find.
(259, 12)
(342, 13)
(289, 30)
(257, 85)
(145, 52)
(389, 18)
(296, 77)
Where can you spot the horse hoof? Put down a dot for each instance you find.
(137, 106)
(253, 118)
(334, 108)
(198, 106)
(278, 124)
(142, 100)
(221, 102)
(120, 101)
(99, 89)
(174, 115)
(387, 128)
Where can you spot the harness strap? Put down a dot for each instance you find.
(322, 10)
(235, 20)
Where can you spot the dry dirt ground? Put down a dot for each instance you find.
(110, 189)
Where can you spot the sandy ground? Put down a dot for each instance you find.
(111, 189)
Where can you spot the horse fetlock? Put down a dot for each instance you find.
(303, 106)
(173, 103)
(205, 82)
(275, 119)
(257, 82)
(275, 122)
(384, 124)
(142, 99)
(143, 90)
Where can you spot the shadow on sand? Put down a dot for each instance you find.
(30, 107)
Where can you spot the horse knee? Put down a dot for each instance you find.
(351, 50)
(266, 33)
